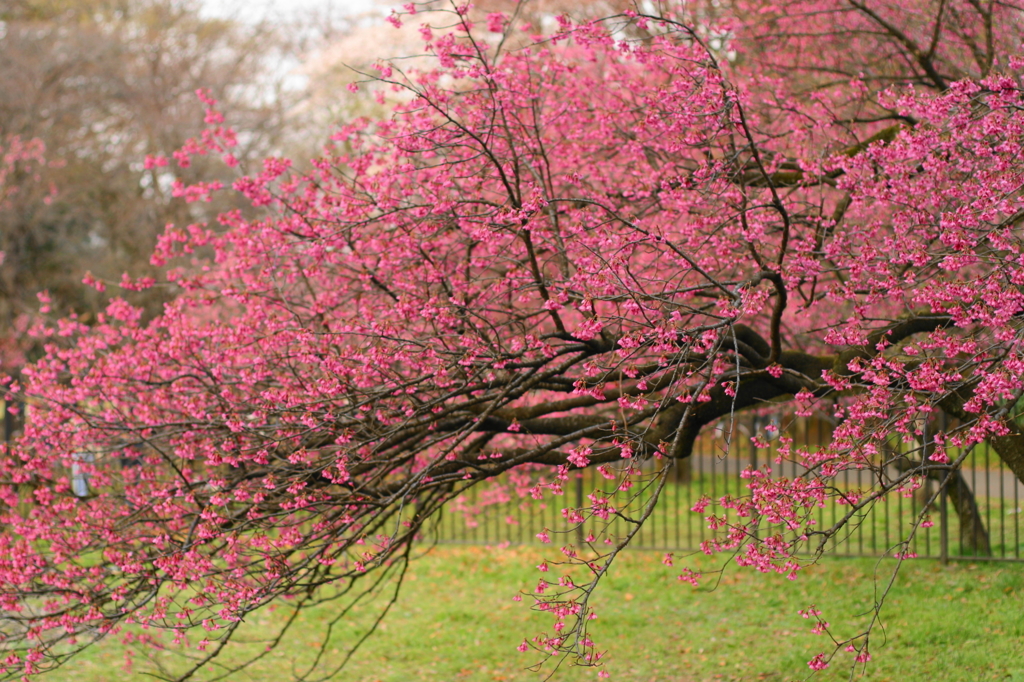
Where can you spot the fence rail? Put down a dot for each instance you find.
(976, 516)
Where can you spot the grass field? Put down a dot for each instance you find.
(456, 621)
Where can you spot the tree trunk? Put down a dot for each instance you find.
(1010, 447)
(973, 535)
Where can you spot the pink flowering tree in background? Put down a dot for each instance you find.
(577, 250)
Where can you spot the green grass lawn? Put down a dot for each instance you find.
(456, 620)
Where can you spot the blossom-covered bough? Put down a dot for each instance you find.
(577, 250)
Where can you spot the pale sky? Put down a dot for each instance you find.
(257, 10)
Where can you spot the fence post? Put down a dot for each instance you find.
(753, 459)
(943, 510)
(11, 418)
(8, 422)
(943, 525)
(579, 505)
(750, 442)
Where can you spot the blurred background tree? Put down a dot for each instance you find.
(102, 84)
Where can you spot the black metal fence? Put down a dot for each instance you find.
(976, 515)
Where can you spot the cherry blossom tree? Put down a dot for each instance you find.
(581, 252)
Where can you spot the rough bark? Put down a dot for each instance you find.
(973, 535)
